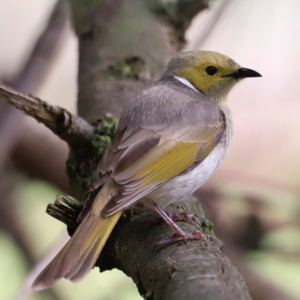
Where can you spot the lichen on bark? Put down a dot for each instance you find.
(82, 163)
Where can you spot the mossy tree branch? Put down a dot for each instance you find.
(191, 270)
(72, 129)
(87, 142)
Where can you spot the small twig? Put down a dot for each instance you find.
(65, 209)
(30, 77)
(72, 129)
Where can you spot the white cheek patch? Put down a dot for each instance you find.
(186, 83)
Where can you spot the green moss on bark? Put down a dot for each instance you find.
(82, 163)
(128, 68)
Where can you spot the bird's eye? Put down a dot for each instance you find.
(211, 70)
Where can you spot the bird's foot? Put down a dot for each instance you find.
(180, 236)
(183, 216)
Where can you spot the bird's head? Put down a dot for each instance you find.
(211, 73)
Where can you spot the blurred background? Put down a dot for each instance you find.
(253, 197)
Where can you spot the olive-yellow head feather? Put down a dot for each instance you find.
(211, 73)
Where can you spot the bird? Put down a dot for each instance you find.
(169, 140)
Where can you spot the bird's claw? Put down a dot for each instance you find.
(194, 235)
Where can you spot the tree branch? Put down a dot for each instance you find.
(28, 80)
(13, 134)
(192, 270)
(72, 129)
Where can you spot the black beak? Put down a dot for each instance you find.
(243, 73)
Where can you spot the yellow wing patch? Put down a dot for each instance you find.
(170, 164)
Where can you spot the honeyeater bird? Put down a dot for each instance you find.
(169, 140)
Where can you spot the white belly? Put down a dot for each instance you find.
(182, 186)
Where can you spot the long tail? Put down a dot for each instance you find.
(79, 255)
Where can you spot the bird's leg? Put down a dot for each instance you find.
(179, 234)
